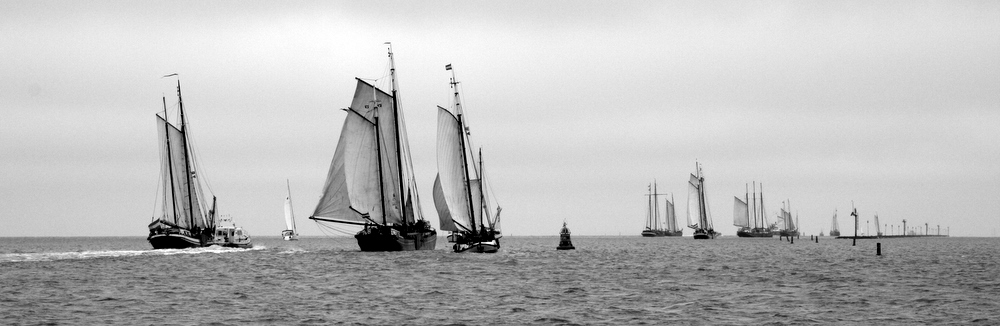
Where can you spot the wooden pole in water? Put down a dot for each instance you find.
(878, 249)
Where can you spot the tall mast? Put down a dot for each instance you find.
(395, 121)
(465, 159)
(762, 212)
(170, 161)
(656, 207)
(746, 198)
(649, 206)
(187, 160)
(482, 194)
(378, 151)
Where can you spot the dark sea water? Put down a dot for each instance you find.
(607, 280)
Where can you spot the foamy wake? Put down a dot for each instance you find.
(50, 256)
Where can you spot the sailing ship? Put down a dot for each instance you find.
(185, 220)
(751, 218)
(653, 226)
(698, 207)
(790, 230)
(835, 227)
(564, 241)
(290, 233)
(371, 181)
(460, 196)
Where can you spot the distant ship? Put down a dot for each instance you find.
(564, 240)
(790, 230)
(289, 233)
(460, 194)
(371, 181)
(185, 219)
(742, 214)
(653, 227)
(835, 228)
(698, 207)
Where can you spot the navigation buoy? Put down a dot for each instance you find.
(878, 249)
(564, 242)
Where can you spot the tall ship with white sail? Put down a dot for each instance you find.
(290, 233)
(461, 195)
(654, 228)
(699, 217)
(834, 227)
(371, 181)
(751, 218)
(185, 219)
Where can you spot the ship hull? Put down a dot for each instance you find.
(394, 242)
(834, 233)
(174, 241)
(661, 233)
(289, 235)
(488, 247)
(702, 234)
(756, 233)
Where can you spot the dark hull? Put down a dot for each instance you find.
(834, 233)
(393, 242)
(661, 233)
(175, 241)
(788, 233)
(702, 234)
(566, 247)
(487, 247)
(755, 234)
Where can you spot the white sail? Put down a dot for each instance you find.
(289, 215)
(351, 191)
(447, 223)
(671, 217)
(878, 229)
(694, 203)
(184, 204)
(741, 212)
(452, 172)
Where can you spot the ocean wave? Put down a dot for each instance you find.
(92, 254)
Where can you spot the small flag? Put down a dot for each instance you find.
(447, 67)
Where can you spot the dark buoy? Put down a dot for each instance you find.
(878, 249)
(564, 242)
(817, 239)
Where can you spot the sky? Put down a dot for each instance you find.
(887, 106)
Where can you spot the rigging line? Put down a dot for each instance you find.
(159, 179)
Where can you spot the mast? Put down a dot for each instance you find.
(465, 160)
(649, 206)
(378, 152)
(187, 160)
(482, 194)
(395, 121)
(746, 198)
(763, 215)
(170, 161)
(656, 207)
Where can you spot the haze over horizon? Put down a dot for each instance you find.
(578, 106)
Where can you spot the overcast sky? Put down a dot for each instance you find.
(578, 106)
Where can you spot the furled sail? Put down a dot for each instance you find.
(452, 174)
(741, 212)
(184, 202)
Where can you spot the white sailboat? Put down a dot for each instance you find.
(290, 233)
(751, 218)
(790, 229)
(653, 226)
(698, 207)
(185, 220)
(460, 196)
(371, 181)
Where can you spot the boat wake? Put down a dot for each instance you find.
(51, 256)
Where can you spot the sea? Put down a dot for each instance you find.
(614, 280)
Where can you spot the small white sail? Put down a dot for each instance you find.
(741, 212)
(289, 215)
(671, 217)
(835, 227)
(447, 223)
